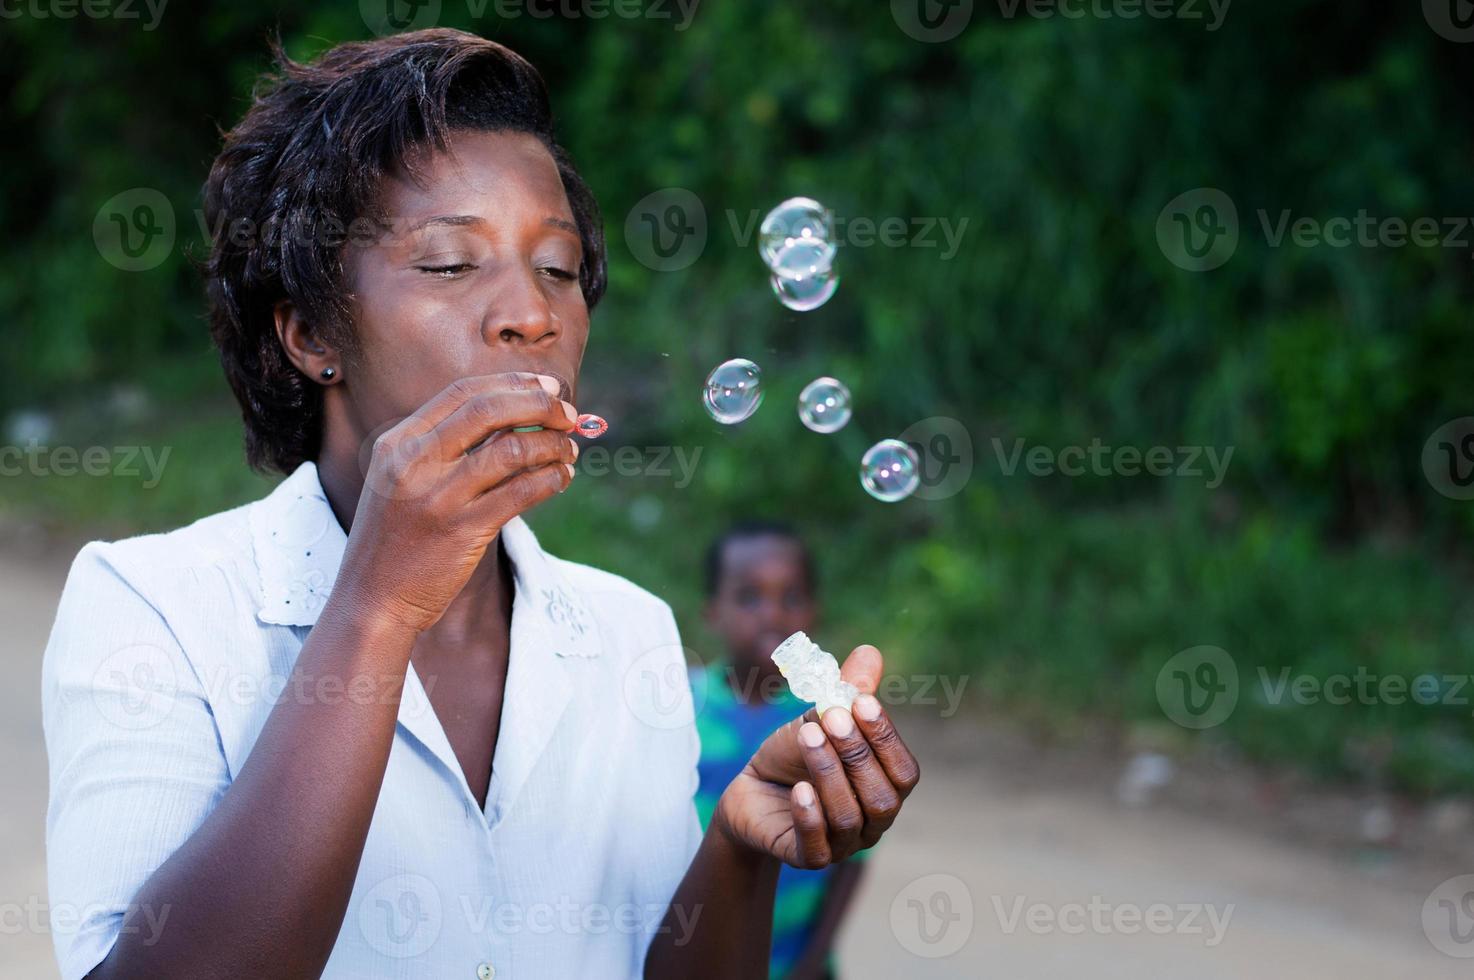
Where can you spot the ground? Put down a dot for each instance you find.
(1017, 859)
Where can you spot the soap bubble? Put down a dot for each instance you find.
(733, 391)
(796, 239)
(824, 405)
(890, 471)
(805, 294)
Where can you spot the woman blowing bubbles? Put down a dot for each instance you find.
(366, 726)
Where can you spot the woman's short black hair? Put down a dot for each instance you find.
(300, 175)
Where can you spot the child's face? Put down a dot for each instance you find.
(762, 597)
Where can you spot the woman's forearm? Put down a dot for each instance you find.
(727, 897)
(261, 887)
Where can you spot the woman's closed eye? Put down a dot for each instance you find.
(447, 270)
(558, 273)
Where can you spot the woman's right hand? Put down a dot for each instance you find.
(441, 484)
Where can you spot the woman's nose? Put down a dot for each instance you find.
(520, 315)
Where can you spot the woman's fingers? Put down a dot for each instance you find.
(841, 809)
(508, 453)
(477, 418)
(879, 800)
(462, 390)
(809, 829)
(901, 767)
(520, 493)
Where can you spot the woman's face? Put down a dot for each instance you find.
(479, 276)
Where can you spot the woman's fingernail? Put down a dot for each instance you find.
(571, 412)
(550, 385)
(570, 469)
(804, 793)
(575, 448)
(811, 734)
(839, 722)
(867, 707)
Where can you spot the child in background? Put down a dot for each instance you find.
(760, 588)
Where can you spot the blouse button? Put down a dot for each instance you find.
(485, 971)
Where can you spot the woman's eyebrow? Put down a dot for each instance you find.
(457, 220)
(561, 224)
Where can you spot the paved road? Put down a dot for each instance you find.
(1010, 877)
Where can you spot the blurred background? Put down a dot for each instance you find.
(1171, 297)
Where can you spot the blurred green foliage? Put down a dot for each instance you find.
(1058, 321)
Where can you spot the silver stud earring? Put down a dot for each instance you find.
(329, 374)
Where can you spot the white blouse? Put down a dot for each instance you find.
(170, 650)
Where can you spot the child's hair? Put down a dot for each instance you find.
(741, 530)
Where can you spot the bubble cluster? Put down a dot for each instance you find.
(890, 471)
(796, 241)
(803, 295)
(734, 390)
(824, 405)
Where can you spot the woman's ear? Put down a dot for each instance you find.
(317, 360)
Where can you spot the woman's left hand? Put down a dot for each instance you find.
(811, 795)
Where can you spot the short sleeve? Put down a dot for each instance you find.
(135, 758)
